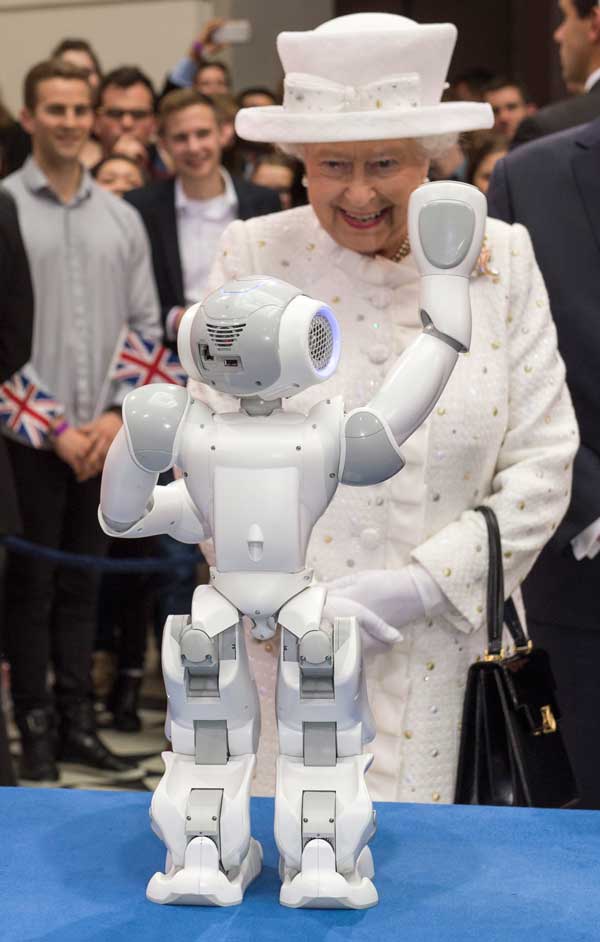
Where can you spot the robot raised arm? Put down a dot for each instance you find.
(131, 503)
(446, 225)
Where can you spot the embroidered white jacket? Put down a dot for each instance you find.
(504, 432)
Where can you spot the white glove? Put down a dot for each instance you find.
(586, 545)
(376, 633)
(384, 600)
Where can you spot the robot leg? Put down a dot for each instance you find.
(324, 817)
(201, 807)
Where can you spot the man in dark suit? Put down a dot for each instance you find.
(552, 186)
(185, 216)
(579, 39)
(16, 325)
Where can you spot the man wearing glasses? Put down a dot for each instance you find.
(125, 119)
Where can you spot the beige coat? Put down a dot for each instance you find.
(504, 432)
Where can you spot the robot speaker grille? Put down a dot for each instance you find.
(320, 341)
(224, 335)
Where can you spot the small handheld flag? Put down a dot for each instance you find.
(27, 408)
(142, 360)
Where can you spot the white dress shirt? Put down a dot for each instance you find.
(592, 79)
(200, 225)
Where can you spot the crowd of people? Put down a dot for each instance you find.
(121, 206)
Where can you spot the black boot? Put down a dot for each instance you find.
(79, 742)
(123, 703)
(38, 745)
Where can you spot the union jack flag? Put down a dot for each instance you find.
(27, 408)
(141, 360)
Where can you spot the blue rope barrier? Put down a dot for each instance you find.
(16, 544)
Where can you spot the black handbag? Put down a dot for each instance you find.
(511, 748)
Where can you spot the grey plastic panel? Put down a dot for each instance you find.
(319, 744)
(315, 648)
(430, 328)
(203, 814)
(370, 456)
(446, 230)
(197, 647)
(318, 817)
(151, 415)
(210, 738)
(116, 526)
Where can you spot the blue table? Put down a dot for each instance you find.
(74, 866)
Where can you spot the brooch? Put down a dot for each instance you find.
(483, 264)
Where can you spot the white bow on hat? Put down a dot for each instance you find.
(402, 66)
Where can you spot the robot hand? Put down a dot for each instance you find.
(446, 223)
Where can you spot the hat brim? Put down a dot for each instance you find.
(273, 124)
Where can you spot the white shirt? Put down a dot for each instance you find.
(200, 225)
(592, 79)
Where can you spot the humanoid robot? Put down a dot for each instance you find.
(257, 480)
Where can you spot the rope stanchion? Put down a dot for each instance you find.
(16, 544)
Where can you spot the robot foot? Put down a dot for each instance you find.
(201, 881)
(319, 886)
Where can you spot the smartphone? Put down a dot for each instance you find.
(233, 31)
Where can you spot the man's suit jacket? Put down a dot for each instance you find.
(552, 187)
(156, 203)
(559, 116)
(16, 326)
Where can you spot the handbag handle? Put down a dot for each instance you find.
(498, 611)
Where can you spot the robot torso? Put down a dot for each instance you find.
(262, 482)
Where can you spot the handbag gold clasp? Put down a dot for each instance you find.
(493, 657)
(548, 721)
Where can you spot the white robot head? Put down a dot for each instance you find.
(259, 336)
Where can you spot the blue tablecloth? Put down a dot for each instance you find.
(74, 866)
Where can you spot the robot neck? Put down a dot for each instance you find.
(254, 405)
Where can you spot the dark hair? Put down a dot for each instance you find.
(124, 77)
(277, 158)
(476, 78)
(115, 155)
(488, 142)
(184, 98)
(49, 69)
(255, 90)
(77, 45)
(584, 7)
(506, 81)
(207, 64)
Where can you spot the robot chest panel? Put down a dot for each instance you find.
(267, 481)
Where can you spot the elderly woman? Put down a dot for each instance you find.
(409, 555)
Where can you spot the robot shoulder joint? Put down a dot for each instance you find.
(152, 416)
(372, 455)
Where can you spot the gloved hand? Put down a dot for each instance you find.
(384, 600)
(586, 545)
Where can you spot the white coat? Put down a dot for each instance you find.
(504, 432)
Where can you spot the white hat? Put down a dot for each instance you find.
(364, 77)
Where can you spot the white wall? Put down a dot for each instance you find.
(153, 34)
(150, 33)
(258, 63)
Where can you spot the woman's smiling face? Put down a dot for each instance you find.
(360, 191)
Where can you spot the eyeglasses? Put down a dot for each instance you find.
(136, 114)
